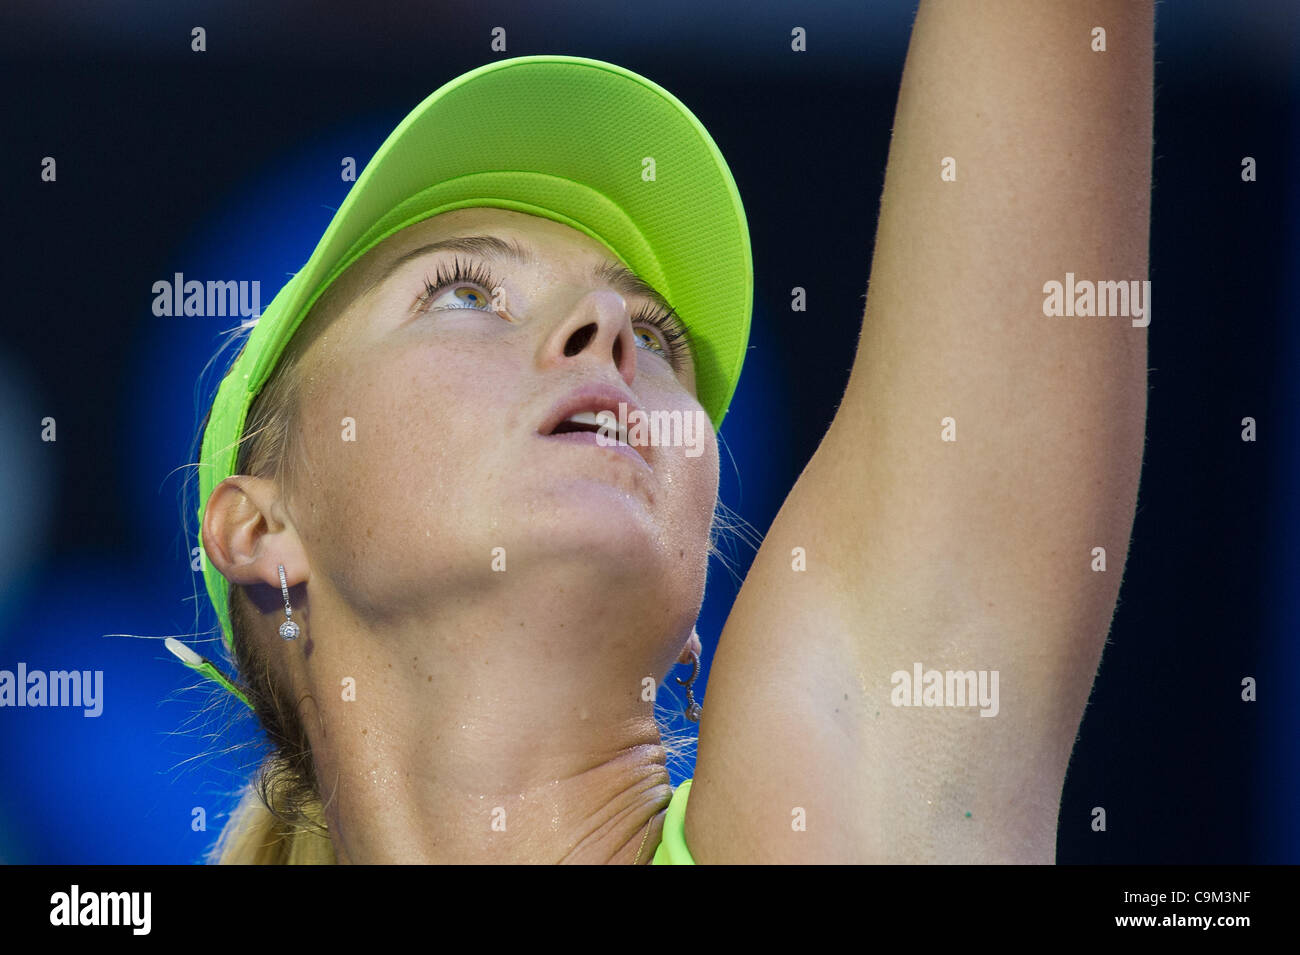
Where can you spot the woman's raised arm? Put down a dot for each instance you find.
(969, 510)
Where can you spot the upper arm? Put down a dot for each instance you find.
(969, 554)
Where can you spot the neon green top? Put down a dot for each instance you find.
(672, 849)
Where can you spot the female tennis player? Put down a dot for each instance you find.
(452, 564)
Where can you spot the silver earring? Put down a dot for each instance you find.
(693, 710)
(289, 630)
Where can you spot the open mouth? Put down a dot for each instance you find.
(597, 428)
(595, 422)
(595, 414)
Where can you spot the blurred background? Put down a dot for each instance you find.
(225, 164)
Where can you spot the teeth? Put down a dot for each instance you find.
(602, 419)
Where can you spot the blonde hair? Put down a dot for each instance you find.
(279, 819)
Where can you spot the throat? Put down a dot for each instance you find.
(627, 829)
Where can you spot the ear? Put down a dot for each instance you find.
(247, 534)
(692, 644)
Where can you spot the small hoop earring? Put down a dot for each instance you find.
(693, 710)
(288, 630)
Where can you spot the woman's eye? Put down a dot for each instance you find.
(461, 284)
(649, 338)
(462, 296)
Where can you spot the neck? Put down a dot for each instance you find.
(485, 737)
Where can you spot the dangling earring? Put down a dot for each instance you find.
(289, 630)
(693, 710)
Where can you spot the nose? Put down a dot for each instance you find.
(598, 329)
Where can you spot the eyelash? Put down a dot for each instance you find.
(664, 321)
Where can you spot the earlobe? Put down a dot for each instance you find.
(242, 538)
(693, 644)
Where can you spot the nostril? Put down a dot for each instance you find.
(618, 352)
(579, 340)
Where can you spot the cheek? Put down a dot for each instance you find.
(694, 483)
(392, 440)
(705, 482)
(691, 475)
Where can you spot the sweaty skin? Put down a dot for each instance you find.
(499, 714)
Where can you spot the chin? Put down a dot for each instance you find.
(596, 531)
(595, 519)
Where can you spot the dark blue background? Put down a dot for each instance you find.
(225, 164)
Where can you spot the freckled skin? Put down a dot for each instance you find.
(446, 464)
(518, 681)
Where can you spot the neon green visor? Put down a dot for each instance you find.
(576, 140)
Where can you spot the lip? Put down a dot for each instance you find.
(595, 398)
(589, 437)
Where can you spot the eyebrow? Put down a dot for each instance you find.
(623, 280)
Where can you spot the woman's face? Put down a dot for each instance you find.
(428, 420)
